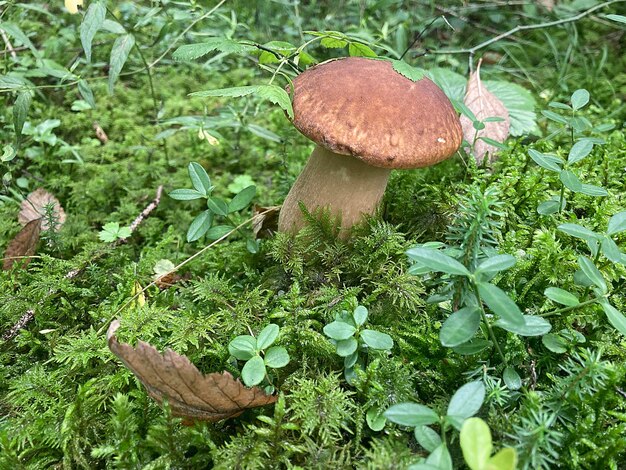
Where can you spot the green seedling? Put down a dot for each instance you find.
(259, 355)
(351, 340)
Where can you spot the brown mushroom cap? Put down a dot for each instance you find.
(364, 108)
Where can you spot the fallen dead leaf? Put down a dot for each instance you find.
(484, 105)
(33, 207)
(23, 245)
(264, 220)
(189, 393)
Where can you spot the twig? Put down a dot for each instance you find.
(517, 29)
(8, 44)
(21, 323)
(146, 212)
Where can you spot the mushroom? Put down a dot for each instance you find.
(366, 119)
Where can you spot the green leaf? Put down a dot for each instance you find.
(554, 116)
(578, 231)
(85, 92)
(339, 330)
(375, 419)
(520, 104)
(267, 336)
(276, 357)
(505, 459)
(199, 178)
(437, 261)
(92, 22)
(349, 361)
(611, 250)
(554, 343)
(476, 443)
(511, 378)
(427, 438)
(272, 93)
(618, 18)
(561, 296)
(467, 400)
(411, 414)
(356, 49)
(452, 83)
(242, 199)
(460, 327)
(412, 73)
(15, 31)
(333, 42)
(191, 52)
(346, 347)
(496, 263)
(217, 206)
(119, 54)
(533, 326)
(616, 318)
(276, 95)
(243, 347)
(594, 275)
(440, 458)
(549, 162)
(360, 315)
(185, 194)
(592, 190)
(617, 223)
(570, 180)
(579, 150)
(555, 104)
(219, 231)
(579, 98)
(548, 207)
(253, 371)
(199, 226)
(474, 346)
(20, 112)
(377, 340)
(500, 303)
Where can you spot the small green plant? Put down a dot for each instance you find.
(112, 231)
(476, 445)
(464, 404)
(581, 148)
(203, 224)
(259, 355)
(351, 340)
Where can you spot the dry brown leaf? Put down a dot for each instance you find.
(264, 221)
(33, 207)
(484, 105)
(100, 134)
(190, 394)
(24, 244)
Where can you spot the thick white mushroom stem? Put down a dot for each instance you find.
(344, 184)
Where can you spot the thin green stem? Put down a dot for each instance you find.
(483, 314)
(569, 309)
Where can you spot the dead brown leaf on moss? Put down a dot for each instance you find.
(23, 245)
(484, 104)
(33, 207)
(190, 394)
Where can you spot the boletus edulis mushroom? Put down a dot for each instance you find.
(366, 119)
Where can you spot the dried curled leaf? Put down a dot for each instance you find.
(24, 244)
(190, 394)
(33, 207)
(264, 221)
(484, 105)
